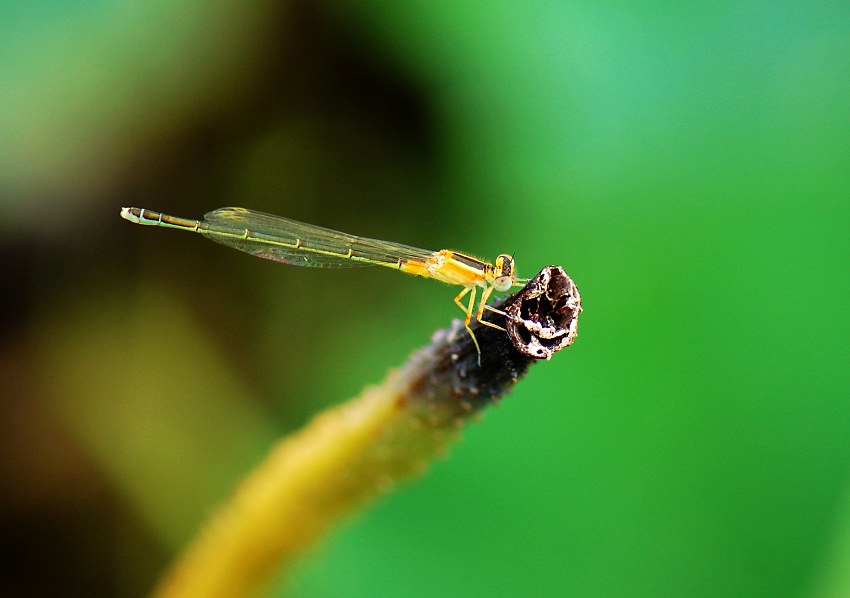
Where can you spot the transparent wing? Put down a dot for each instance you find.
(299, 244)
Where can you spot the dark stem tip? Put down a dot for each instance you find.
(542, 318)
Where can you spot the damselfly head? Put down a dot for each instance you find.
(503, 273)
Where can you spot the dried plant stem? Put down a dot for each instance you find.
(352, 454)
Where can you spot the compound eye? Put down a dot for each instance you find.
(504, 266)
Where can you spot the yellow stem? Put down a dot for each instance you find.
(342, 459)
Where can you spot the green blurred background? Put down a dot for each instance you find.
(688, 164)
